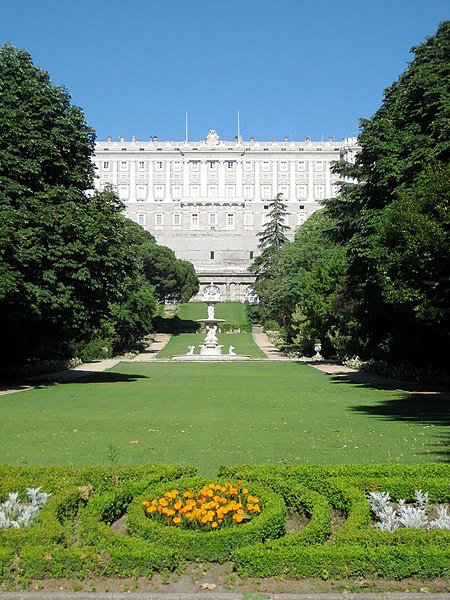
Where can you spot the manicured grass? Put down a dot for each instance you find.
(232, 312)
(212, 414)
(243, 344)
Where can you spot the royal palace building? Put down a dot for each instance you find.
(207, 200)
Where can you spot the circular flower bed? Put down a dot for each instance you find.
(206, 520)
(213, 506)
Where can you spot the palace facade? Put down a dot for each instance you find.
(207, 200)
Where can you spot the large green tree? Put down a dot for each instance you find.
(303, 283)
(395, 220)
(64, 262)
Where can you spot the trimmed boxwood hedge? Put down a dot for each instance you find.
(76, 534)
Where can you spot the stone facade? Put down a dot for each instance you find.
(207, 200)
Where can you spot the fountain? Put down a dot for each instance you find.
(210, 349)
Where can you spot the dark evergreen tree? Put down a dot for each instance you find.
(272, 237)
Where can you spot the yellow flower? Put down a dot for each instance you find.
(177, 520)
(214, 525)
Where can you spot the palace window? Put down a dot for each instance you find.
(251, 254)
(319, 192)
(123, 165)
(212, 164)
(265, 165)
(159, 219)
(106, 164)
(301, 191)
(141, 165)
(302, 218)
(195, 165)
(194, 220)
(123, 191)
(140, 219)
(248, 220)
(319, 165)
(159, 165)
(212, 220)
(230, 165)
(248, 192)
(231, 222)
(283, 165)
(195, 191)
(176, 219)
(176, 165)
(265, 192)
(141, 192)
(284, 189)
(159, 192)
(301, 164)
(212, 255)
(248, 165)
(176, 192)
(212, 191)
(230, 191)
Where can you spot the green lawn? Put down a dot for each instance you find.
(212, 414)
(243, 344)
(232, 312)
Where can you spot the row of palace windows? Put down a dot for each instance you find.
(212, 165)
(195, 221)
(266, 191)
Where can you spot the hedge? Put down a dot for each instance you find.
(76, 535)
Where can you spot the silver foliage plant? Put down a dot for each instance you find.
(414, 515)
(16, 514)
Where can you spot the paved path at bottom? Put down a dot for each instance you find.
(218, 596)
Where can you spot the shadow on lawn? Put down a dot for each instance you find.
(88, 377)
(107, 377)
(419, 403)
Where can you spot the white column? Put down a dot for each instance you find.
(203, 179)
(221, 191)
(274, 178)
(293, 190)
(239, 190)
(114, 166)
(151, 183)
(185, 178)
(167, 191)
(328, 193)
(132, 193)
(310, 197)
(257, 194)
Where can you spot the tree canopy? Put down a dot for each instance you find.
(68, 269)
(375, 279)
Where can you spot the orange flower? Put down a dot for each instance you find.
(214, 525)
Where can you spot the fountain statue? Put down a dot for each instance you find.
(211, 349)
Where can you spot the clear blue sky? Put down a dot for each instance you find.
(292, 67)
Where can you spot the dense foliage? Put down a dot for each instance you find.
(69, 274)
(375, 281)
